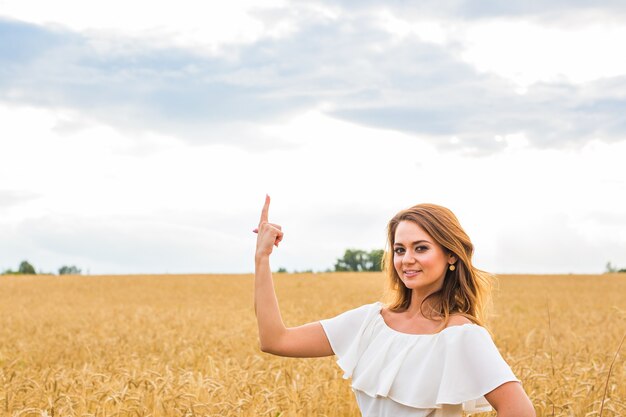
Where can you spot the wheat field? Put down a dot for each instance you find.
(186, 345)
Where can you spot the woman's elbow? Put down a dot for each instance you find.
(271, 349)
(264, 348)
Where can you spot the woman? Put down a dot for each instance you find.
(423, 354)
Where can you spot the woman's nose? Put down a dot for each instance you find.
(408, 258)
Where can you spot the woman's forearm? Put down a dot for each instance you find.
(269, 320)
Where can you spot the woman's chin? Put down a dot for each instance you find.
(411, 284)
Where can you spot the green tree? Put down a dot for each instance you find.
(357, 260)
(353, 260)
(376, 259)
(610, 268)
(69, 270)
(26, 268)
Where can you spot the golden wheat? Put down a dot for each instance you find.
(187, 345)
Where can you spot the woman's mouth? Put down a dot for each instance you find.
(411, 273)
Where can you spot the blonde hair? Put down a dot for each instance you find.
(465, 290)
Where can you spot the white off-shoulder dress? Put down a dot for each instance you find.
(396, 374)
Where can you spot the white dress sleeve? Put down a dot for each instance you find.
(473, 368)
(346, 328)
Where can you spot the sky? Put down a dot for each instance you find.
(142, 137)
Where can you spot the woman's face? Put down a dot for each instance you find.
(420, 262)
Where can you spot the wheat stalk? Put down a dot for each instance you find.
(606, 386)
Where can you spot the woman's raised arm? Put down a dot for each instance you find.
(308, 340)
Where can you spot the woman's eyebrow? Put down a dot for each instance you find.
(417, 241)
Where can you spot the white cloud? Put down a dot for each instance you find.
(14, 197)
(522, 50)
(556, 243)
(526, 52)
(122, 244)
(426, 30)
(201, 25)
(350, 68)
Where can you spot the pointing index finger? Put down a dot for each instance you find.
(266, 208)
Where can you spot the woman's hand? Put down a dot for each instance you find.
(269, 234)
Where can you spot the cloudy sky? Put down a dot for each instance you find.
(142, 137)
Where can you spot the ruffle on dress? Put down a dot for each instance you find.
(455, 366)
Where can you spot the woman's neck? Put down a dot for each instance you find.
(428, 308)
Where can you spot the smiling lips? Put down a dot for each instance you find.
(410, 273)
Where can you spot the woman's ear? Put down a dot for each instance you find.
(451, 258)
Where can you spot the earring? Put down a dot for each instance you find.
(452, 267)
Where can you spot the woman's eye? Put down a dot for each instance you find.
(417, 249)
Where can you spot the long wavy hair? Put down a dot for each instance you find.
(465, 290)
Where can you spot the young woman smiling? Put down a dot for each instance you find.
(425, 351)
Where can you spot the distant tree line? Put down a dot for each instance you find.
(358, 260)
(26, 268)
(612, 269)
(353, 260)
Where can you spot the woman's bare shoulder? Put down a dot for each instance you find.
(458, 320)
